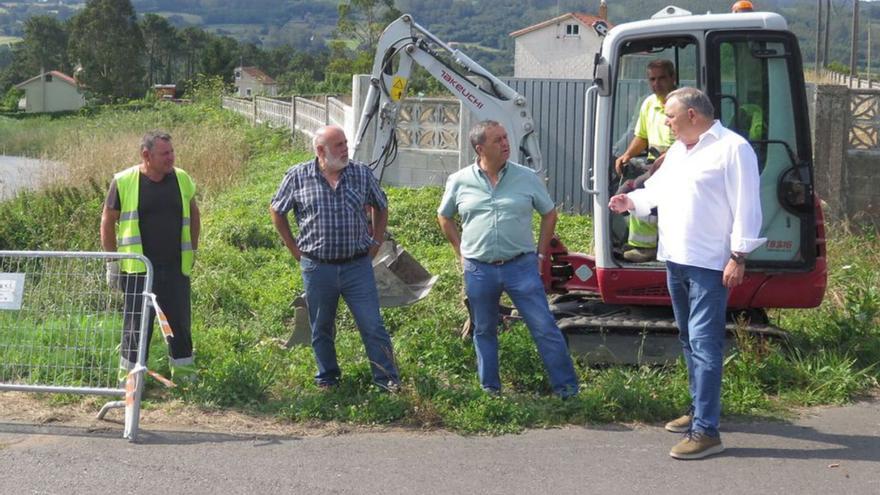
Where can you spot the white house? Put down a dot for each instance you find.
(560, 48)
(251, 81)
(50, 91)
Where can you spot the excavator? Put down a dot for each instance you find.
(612, 310)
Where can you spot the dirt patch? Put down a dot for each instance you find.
(170, 415)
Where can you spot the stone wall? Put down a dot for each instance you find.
(846, 152)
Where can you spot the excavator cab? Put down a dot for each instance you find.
(750, 67)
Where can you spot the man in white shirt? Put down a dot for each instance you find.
(709, 190)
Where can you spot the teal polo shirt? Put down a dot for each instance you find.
(496, 222)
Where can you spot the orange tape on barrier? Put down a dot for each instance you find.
(161, 379)
(130, 387)
(167, 332)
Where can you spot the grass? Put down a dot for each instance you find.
(245, 280)
(101, 144)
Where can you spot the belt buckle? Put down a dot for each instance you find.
(508, 260)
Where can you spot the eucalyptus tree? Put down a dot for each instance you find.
(107, 44)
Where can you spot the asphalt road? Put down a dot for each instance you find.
(18, 173)
(827, 451)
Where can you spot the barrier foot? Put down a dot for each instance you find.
(116, 404)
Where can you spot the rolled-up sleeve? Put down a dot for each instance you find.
(743, 186)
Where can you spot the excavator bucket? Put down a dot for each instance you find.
(400, 279)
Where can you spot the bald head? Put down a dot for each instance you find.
(331, 148)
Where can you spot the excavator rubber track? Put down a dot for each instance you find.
(601, 333)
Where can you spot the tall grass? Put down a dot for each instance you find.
(209, 143)
(245, 280)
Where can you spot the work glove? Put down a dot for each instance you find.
(113, 274)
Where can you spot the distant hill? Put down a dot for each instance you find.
(308, 24)
(305, 24)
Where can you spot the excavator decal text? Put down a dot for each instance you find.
(454, 84)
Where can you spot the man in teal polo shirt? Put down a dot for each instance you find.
(651, 133)
(494, 199)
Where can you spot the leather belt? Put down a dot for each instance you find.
(337, 261)
(508, 260)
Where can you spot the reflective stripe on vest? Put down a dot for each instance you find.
(129, 234)
(643, 231)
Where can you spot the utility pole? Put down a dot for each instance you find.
(827, 28)
(818, 35)
(853, 52)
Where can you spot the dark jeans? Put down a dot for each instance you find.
(172, 289)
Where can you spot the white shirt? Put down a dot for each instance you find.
(707, 199)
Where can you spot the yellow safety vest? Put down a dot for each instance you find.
(643, 231)
(128, 237)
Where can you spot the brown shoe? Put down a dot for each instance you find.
(681, 424)
(640, 255)
(696, 445)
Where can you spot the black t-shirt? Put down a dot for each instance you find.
(160, 217)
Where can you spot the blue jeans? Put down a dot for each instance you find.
(699, 300)
(484, 283)
(354, 281)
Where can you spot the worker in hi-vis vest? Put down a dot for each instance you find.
(151, 210)
(651, 134)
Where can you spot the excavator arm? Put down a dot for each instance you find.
(403, 43)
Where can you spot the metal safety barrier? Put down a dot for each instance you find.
(61, 327)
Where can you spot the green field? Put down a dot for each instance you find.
(193, 19)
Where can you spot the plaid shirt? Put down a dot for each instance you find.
(332, 223)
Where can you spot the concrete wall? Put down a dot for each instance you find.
(53, 96)
(863, 179)
(417, 168)
(846, 152)
(548, 53)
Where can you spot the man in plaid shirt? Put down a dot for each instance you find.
(329, 196)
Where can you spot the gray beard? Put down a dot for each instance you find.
(334, 164)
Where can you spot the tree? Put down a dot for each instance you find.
(43, 47)
(45, 43)
(358, 30)
(219, 57)
(107, 43)
(193, 42)
(365, 20)
(160, 42)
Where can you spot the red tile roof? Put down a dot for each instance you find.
(585, 19)
(258, 75)
(55, 74)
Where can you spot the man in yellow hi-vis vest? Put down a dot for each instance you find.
(651, 134)
(151, 210)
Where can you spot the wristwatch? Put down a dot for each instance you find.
(738, 258)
